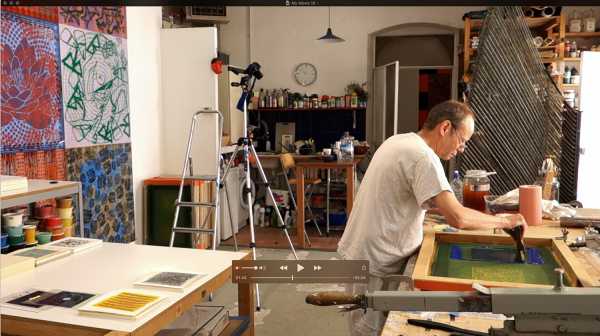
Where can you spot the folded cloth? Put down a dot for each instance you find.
(550, 209)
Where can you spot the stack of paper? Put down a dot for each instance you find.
(12, 264)
(76, 244)
(169, 280)
(12, 183)
(42, 255)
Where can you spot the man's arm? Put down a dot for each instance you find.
(462, 217)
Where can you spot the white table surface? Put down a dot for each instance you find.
(109, 267)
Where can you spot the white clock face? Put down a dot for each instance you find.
(305, 74)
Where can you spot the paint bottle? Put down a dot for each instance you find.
(457, 186)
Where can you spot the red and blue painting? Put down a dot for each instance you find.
(31, 98)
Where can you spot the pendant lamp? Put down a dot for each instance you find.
(329, 36)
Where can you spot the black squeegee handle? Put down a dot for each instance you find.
(444, 327)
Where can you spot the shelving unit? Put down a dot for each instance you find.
(280, 109)
(39, 190)
(554, 27)
(551, 26)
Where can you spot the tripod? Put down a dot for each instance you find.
(252, 73)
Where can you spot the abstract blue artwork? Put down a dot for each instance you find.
(105, 174)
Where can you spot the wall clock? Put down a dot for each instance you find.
(305, 74)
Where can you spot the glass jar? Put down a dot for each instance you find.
(589, 23)
(476, 186)
(575, 23)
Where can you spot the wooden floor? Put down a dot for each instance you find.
(270, 237)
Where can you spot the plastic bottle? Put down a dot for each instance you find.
(346, 148)
(567, 76)
(261, 217)
(457, 186)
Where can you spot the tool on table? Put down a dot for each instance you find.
(444, 327)
(517, 233)
(537, 311)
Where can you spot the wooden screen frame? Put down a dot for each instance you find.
(574, 270)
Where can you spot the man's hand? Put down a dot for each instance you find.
(514, 220)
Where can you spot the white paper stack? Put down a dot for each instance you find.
(42, 255)
(12, 183)
(76, 244)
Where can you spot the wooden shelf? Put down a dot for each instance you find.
(570, 85)
(535, 22)
(279, 109)
(551, 59)
(583, 34)
(572, 59)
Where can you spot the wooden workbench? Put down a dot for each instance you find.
(117, 266)
(396, 321)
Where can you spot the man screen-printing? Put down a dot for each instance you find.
(405, 178)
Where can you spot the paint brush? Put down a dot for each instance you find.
(517, 234)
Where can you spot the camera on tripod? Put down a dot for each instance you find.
(253, 70)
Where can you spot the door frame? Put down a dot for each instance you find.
(407, 29)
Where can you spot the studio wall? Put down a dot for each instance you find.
(65, 107)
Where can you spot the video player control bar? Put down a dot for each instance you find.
(300, 271)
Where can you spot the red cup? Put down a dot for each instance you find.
(58, 236)
(57, 230)
(44, 211)
(52, 222)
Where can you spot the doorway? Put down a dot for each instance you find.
(412, 67)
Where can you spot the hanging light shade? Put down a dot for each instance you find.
(329, 36)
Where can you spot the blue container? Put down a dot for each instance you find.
(4, 241)
(337, 218)
(14, 231)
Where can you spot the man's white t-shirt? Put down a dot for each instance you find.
(386, 223)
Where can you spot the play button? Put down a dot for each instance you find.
(299, 267)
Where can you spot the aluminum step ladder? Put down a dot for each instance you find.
(188, 175)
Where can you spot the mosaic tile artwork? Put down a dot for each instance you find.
(31, 105)
(105, 175)
(95, 87)
(103, 19)
(48, 13)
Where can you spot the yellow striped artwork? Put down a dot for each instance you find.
(127, 301)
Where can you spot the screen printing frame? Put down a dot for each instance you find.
(422, 278)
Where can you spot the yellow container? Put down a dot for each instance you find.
(65, 212)
(67, 221)
(68, 231)
(29, 234)
(66, 202)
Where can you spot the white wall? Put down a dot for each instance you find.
(143, 47)
(282, 37)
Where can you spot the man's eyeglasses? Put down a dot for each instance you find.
(462, 143)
